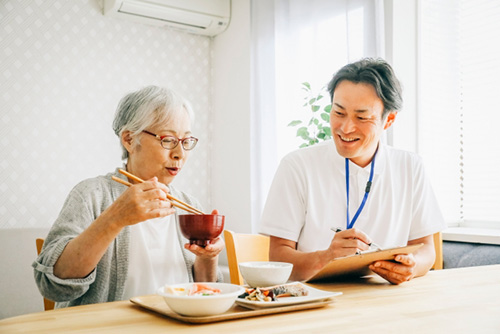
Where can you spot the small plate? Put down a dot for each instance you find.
(313, 296)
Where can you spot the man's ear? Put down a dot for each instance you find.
(127, 140)
(390, 119)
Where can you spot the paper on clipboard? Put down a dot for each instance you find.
(359, 263)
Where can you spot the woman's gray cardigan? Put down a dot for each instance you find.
(106, 282)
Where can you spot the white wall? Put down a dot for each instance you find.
(63, 68)
(230, 178)
(18, 291)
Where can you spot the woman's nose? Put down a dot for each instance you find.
(177, 152)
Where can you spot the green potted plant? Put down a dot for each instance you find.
(318, 126)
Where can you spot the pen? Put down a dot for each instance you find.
(371, 244)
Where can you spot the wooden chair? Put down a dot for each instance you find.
(48, 304)
(242, 248)
(254, 247)
(438, 245)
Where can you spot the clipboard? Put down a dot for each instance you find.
(358, 264)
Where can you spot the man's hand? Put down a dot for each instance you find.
(400, 270)
(348, 242)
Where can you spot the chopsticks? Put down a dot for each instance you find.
(180, 204)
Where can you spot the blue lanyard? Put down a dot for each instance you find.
(350, 223)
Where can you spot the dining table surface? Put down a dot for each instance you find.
(460, 300)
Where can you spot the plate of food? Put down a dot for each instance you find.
(282, 295)
(200, 298)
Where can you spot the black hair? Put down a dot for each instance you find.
(379, 74)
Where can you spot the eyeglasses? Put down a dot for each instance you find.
(171, 142)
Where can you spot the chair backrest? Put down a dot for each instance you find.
(243, 248)
(438, 246)
(47, 304)
(255, 247)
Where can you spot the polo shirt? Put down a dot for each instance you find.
(307, 198)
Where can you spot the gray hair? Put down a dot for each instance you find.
(146, 107)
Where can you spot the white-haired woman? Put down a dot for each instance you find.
(111, 242)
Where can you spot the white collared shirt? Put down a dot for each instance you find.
(308, 197)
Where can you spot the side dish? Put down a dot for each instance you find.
(196, 289)
(272, 293)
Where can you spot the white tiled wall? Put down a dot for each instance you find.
(63, 68)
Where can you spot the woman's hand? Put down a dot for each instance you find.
(205, 265)
(209, 251)
(141, 202)
(138, 203)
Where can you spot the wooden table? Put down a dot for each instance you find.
(465, 300)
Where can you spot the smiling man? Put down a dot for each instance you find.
(356, 185)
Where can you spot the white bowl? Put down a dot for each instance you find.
(262, 274)
(199, 306)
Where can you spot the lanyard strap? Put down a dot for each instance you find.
(350, 224)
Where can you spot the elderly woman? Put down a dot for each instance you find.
(111, 242)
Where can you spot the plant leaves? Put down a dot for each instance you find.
(303, 133)
(318, 128)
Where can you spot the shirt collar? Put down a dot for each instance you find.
(380, 161)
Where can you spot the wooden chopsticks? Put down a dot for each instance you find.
(180, 204)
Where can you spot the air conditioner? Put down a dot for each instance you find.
(204, 17)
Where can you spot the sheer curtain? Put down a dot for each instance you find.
(458, 116)
(295, 41)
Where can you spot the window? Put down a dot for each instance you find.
(295, 42)
(459, 81)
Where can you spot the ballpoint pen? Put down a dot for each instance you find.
(371, 244)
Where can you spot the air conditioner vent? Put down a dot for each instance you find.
(205, 17)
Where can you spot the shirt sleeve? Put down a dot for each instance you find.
(72, 220)
(427, 218)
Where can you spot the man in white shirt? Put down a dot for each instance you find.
(334, 199)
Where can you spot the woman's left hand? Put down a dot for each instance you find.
(205, 264)
(210, 251)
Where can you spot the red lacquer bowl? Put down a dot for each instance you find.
(201, 229)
